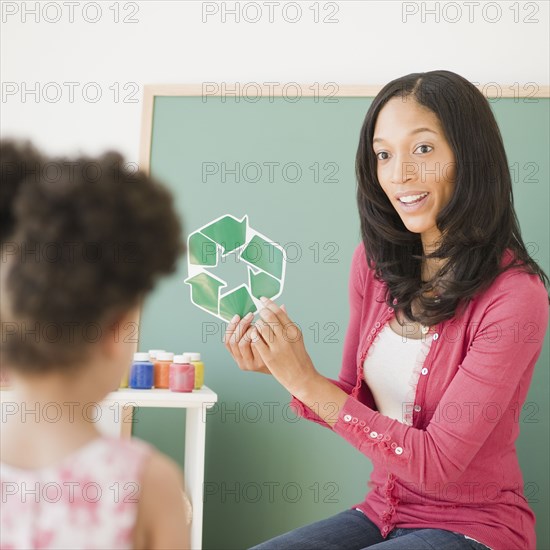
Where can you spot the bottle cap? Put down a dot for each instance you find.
(165, 356)
(153, 353)
(182, 359)
(141, 356)
(194, 356)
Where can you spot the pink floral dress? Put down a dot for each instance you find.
(87, 501)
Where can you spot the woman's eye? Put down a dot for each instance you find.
(381, 153)
(429, 146)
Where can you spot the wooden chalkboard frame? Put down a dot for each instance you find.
(150, 91)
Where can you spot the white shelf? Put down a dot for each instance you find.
(204, 397)
(163, 398)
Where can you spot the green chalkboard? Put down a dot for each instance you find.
(289, 166)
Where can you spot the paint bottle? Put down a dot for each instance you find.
(141, 372)
(124, 379)
(182, 374)
(162, 369)
(199, 369)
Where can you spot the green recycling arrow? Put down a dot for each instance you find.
(227, 232)
(205, 290)
(222, 236)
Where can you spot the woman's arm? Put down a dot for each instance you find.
(491, 372)
(325, 395)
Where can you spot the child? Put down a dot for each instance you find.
(86, 241)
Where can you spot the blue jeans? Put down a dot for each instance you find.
(353, 530)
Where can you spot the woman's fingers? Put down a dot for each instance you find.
(247, 342)
(228, 337)
(245, 349)
(235, 339)
(238, 343)
(253, 336)
(231, 326)
(258, 361)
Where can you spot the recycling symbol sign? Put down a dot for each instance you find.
(265, 261)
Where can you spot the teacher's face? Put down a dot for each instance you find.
(414, 157)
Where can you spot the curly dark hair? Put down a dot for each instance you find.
(91, 239)
(477, 225)
(19, 160)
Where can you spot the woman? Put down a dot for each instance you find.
(448, 315)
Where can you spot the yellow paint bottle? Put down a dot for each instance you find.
(199, 369)
(124, 379)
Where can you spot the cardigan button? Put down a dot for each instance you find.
(398, 450)
(435, 336)
(373, 434)
(347, 418)
(417, 408)
(424, 370)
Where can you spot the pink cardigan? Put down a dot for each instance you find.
(456, 467)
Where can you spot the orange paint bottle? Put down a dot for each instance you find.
(162, 369)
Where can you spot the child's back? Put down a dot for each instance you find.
(88, 500)
(98, 496)
(63, 484)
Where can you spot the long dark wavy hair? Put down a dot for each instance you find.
(477, 225)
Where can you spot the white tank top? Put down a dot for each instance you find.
(391, 370)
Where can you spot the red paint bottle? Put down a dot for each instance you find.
(182, 374)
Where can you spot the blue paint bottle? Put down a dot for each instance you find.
(141, 372)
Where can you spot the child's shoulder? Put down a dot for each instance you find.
(165, 512)
(125, 447)
(131, 459)
(162, 480)
(154, 464)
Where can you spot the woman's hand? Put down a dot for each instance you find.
(280, 345)
(238, 339)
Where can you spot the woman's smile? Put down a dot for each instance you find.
(417, 202)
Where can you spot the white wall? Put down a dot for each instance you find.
(371, 43)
